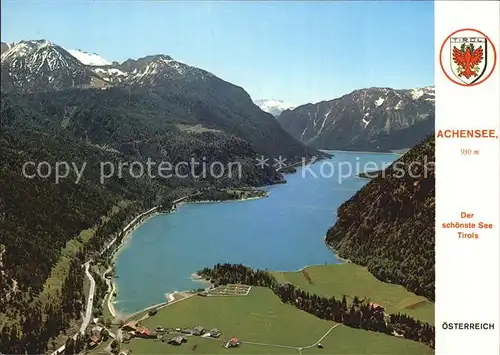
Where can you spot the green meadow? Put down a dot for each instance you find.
(354, 280)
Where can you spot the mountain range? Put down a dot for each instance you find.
(173, 94)
(373, 119)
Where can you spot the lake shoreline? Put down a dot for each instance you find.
(127, 230)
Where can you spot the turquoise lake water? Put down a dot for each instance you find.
(284, 231)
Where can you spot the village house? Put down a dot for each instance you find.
(93, 341)
(143, 332)
(160, 329)
(95, 337)
(233, 343)
(187, 331)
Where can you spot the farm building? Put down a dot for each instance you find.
(152, 312)
(178, 340)
(233, 343)
(126, 337)
(199, 330)
(97, 331)
(215, 333)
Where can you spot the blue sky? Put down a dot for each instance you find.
(294, 51)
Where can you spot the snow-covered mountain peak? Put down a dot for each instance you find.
(91, 59)
(154, 69)
(274, 107)
(26, 48)
(40, 65)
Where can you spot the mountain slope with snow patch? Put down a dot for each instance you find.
(40, 65)
(86, 58)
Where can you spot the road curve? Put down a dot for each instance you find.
(88, 310)
(90, 300)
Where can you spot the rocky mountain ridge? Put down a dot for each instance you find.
(40, 65)
(372, 119)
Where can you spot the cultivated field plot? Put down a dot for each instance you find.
(354, 280)
(230, 290)
(264, 325)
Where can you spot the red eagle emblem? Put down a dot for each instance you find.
(467, 60)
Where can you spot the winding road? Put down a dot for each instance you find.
(88, 310)
(90, 300)
(111, 290)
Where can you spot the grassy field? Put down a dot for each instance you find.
(261, 317)
(354, 280)
(344, 340)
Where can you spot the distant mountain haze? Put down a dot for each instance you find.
(274, 107)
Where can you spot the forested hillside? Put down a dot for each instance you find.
(46, 228)
(388, 225)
